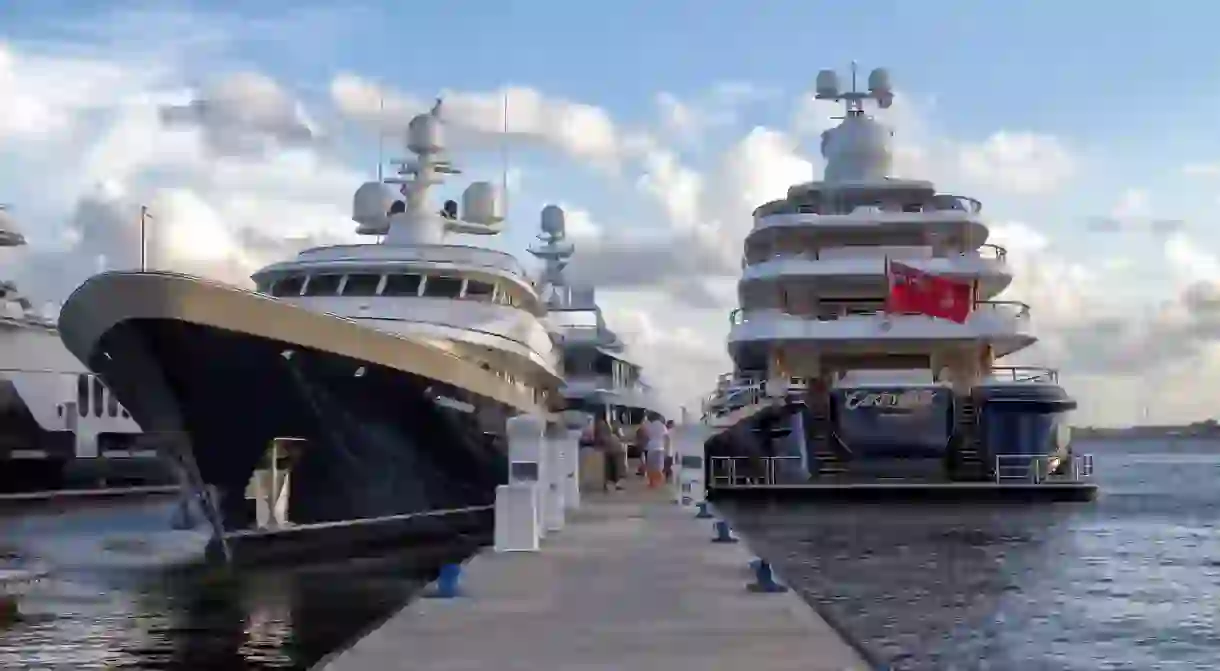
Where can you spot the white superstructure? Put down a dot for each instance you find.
(475, 302)
(52, 410)
(814, 282)
(598, 374)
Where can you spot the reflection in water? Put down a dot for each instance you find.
(1128, 582)
(94, 617)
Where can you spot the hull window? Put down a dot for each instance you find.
(323, 285)
(401, 285)
(361, 285)
(438, 286)
(289, 286)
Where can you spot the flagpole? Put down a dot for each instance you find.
(143, 238)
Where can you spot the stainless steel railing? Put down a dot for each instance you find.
(726, 474)
(1040, 468)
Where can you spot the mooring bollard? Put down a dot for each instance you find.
(765, 579)
(447, 582)
(723, 533)
(704, 513)
(754, 564)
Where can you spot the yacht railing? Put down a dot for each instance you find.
(725, 472)
(902, 253)
(1024, 374)
(1014, 309)
(993, 252)
(1040, 468)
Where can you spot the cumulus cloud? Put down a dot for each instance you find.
(242, 114)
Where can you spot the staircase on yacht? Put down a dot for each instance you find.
(599, 376)
(831, 387)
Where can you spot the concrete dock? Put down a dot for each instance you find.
(632, 582)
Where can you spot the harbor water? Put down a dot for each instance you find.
(1130, 581)
(90, 614)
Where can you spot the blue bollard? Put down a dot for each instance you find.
(447, 582)
(723, 533)
(704, 513)
(765, 580)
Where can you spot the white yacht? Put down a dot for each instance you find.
(58, 423)
(391, 366)
(599, 376)
(828, 384)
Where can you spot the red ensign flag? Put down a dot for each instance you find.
(914, 291)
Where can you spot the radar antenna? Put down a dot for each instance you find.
(879, 90)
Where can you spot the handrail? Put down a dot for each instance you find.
(1026, 373)
(985, 251)
(1039, 468)
(1022, 311)
(998, 253)
(730, 477)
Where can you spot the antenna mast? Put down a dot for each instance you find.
(144, 217)
(380, 134)
(504, 152)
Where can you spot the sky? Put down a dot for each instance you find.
(1090, 137)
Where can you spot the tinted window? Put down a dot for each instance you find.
(443, 287)
(401, 285)
(361, 285)
(82, 395)
(479, 291)
(289, 286)
(323, 285)
(98, 392)
(112, 404)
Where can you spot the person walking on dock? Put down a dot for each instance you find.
(655, 450)
(607, 441)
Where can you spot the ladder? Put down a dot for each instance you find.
(968, 458)
(819, 438)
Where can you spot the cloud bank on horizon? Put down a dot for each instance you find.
(242, 168)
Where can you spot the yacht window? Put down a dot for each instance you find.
(439, 286)
(126, 415)
(98, 392)
(361, 285)
(82, 395)
(112, 404)
(480, 291)
(323, 285)
(288, 286)
(401, 285)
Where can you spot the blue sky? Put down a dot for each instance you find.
(1128, 91)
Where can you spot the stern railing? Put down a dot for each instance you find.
(1040, 468)
(726, 474)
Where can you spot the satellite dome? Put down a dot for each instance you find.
(553, 220)
(857, 150)
(371, 205)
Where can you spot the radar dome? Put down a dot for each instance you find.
(879, 85)
(828, 84)
(424, 134)
(554, 220)
(857, 150)
(879, 81)
(481, 204)
(371, 206)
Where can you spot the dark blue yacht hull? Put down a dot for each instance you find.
(375, 442)
(904, 443)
